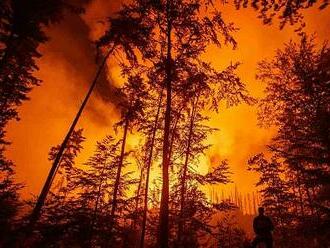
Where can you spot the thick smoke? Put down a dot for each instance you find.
(68, 66)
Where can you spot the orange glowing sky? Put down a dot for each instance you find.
(67, 67)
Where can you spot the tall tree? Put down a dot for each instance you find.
(297, 102)
(178, 34)
(132, 109)
(95, 180)
(200, 84)
(150, 144)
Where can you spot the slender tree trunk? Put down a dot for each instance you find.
(184, 176)
(149, 162)
(138, 197)
(120, 165)
(42, 197)
(116, 186)
(164, 208)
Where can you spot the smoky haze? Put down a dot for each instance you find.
(68, 66)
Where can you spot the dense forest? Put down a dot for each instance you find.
(169, 91)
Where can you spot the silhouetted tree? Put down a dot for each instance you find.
(297, 102)
(22, 31)
(200, 85)
(97, 184)
(67, 162)
(132, 109)
(175, 34)
(149, 148)
(78, 212)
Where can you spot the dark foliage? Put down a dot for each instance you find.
(296, 180)
(286, 11)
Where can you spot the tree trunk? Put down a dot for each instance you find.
(133, 225)
(184, 176)
(149, 162)
(164, 208)
(117, 182)
(42, 197)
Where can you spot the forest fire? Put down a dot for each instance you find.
(164, 123)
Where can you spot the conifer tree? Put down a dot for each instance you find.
(78, 212)
(96, 185)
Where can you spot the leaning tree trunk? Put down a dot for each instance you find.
(184, 176)
(42, 197)
(149, 162)
(163, 234)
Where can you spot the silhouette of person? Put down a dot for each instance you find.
(263, 227)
